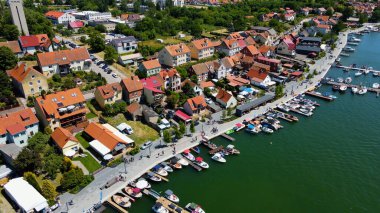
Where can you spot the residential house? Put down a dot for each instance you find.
(65, 109)
(261, 66)
(134, 111)
(195, 106)
(171, 79)
(275, 65)
(216, 70)
(260, 78)
(206, 84)
(106, 139)
(63, 61)
(151, 67)
(250, 41)
(17, 127)
(226, 99)
(229, 47)
(269, 16)
(14, 46)
(58, 17)
(108, 94)
(201, 71)
(150, 117)
(321, 11)
(65, 141)
(228, 63)
(323, 28)
(28, 81)
(263, 38)
(132, 89)
(267, 51)
(9, 153)
(251, 51)
(195, 89)
(306, 10)
(130, 59)
(152, 90)
(33, 43)
(174, 55)
(124, 45)
(309, 45)
(110, 26)
(202, 48)
(286, 47)
(289, 15)
(76, 25)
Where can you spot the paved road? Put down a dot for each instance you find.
(91, 194)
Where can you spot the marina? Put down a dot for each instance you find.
(228, 137)
(370, 89)
(319, 95)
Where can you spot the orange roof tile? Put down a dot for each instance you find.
(203, 43)
(103, 135)
(108, 90)
(251, 50)
(324, 26)
(151, 64)
(17, 121)
(168, 73)
(54, 14)
(132, 84)
(223, 95)
(20, 71)
(63, 57)
(196, 101)
(205, 84)
(133, 107)
(61, 136)
(257, 74)
(13, 45)
(177, 49)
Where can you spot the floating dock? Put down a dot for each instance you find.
(314, 94)
(299, 112)
(115, 206)
(172, 207)
(163, 178)
(196, 167)
(220, 148)
(357, 68)
(370, 89)
(228, 137)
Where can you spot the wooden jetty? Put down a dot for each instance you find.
(151, 193)
(220, 148)
(115, 206)
(228, 137)
(314, 94)
(299, 112)
(163, 178)
(172, 207)
(196, 167)
(370, 89)
(357, 68)
(284, 118)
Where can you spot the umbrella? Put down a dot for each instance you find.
(186, 151)
(107, 157)
(199, 159)
(70, 153)
(141, 184)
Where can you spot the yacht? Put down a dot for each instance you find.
(251, 129)
(188, 155)
(199, 161)
(358, 73)
(194, 208)
(182, 161)
(375, 74)
(159, 208)
(171, 196)
(348, 80)
(354, 90)
(340, 80)
(267, 130)
(160, 171)
(362, 91)
(375, 85)
(121, 200)
(153, 177)
(343, 88)
(218, 157)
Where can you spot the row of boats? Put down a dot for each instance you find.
(299, 105)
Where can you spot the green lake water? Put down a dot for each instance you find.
(329, 162)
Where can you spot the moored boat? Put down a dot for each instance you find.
(335, 87)
(340, 80)
(218, 157)
(160, 171)
(182, 161)
(354, 90)
(196, 149)
(267, 130)
(166, 167)
(251, 129)
(159, 208)
(171, 196)
(358, 73)
(375, 85)
(153, 177)
(238, 127)
(188, 155)
(230, 131)
(362, 91)
(122, 201)
(194, 208)
(348, 80)
(134, 192)
(231, 149)
(343, 88)
(142, 184)
(200, 162)
(375, 74)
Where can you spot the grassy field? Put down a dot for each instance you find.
(141, 132)
(89, 162)
(90, 115)
(82, 141)
(167, 40)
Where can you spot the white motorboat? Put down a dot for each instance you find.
(343, 88)
(337, 60)
(362, 91)
(199, 161)
(134, 192)
(232, 150)
(375, 85)
(171, 196)
(218, 157)
(188, 155)
(358, 73)
(183, 162)
(354, 90)
(153, 177)
(121, 200)
(142, 184)
(366, 71)
(375, 74)
(251, 129)
(348, 80)
(159, 208)
(267, 130)
(340, 80)
(167, 167)
(194, 208)
(348, 49)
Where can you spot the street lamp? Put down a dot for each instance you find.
(125, 165)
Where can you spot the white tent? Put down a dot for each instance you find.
(99, 147)
(118, 133)
(26, 197)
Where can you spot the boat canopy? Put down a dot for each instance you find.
(141, 184)
(186, 151)
(230, 146)
(136, 190)
(199, 159)
(238, 125)
(169, 192)
(157, 167)
(251, 126)
(218, 155)
(151, 174)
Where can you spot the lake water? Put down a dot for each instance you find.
(329, 162)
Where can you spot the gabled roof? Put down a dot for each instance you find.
(291, 45)
(151, 64)
(200, 69)
(188, 81)
(63, 56)
(133, 107)
(151, 82)
(16, 122)
(323, 26)
(251, 50)
(197, 101)
(123, 40)
(230, 43)
(29, 41)
(202, 43)
(132, 83)
(227, 62)
(61, 136)
(76, 24)
(54, 14)
(103, 135)
(250, 41)
(270, 60)
(257, 75)
(20, 71)
(13, 45)
(177, 49)
(206, 84)
(169, 73)
(265, 48)
(223, 95)
(109, 90)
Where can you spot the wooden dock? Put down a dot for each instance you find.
(115, 206)
(287, 117)
(299, 112)
(314, 94)
(370, 89)
(196, 167)
(356, 68)
(228, 137)
(163, 178)
(220, 148)
(172, 207)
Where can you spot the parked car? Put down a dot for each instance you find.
(114, 75)
(99, 62)
(146, 145)
(125, 128)
(104, 66)
(109, 71)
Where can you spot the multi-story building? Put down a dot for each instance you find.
(132, 89)
(151, 67)
(28, 81)
(229, 47)
(124, 45)
(174, 55)
(17, 127)
(171, 79)
(98, 16)
(108, 94)
(33, 43)
(58, 17)
(63, 61)
(152, 90)
(61, 109)
(202, 48)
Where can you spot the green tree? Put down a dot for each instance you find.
(224, 114)
(10, 32)
(31, 178)
(101, 28)
(279, 91)
(182, 128)
(48, 190)
(52, 164)
(96, 41)
(173, 99)
(376, 15)
(72, 179)
(28, 160)
(7, 59)
(110, 54)
(177, 133)
(167, 136)
(192, 127)
(229, 111)
(194, 79)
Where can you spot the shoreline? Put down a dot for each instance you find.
(89, 195)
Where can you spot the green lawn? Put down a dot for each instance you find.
(89, 162)
(141, 132)
(82, 141)
(90, 115)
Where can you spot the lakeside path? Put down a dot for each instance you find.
(91, 194)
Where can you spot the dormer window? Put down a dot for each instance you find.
(33, 76)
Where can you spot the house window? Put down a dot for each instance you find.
(50, 66)
(22, 141)
(40, 88)
(32, 90)
(38, 81)
(30, 83)
(33, 76)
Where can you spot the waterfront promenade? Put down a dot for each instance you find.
(90, 195)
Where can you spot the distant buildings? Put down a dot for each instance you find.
(58, 17)
(109, 26)
(124, 45)
(18, 16)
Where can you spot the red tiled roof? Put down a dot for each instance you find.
(63, 57)
(151, 64)
(223, 95)
(61, 136)
(20, 71)
(152, 82)
(103, 135)
(133, 107)
(251, 50)
(206, 84)
(108, 90)
(289, 43)
(183, 116)
(177, 49)
(54, 14)
(202, 43)
(271, 60)
(13, 45)
(165, 73)
(76, 24)
(29, 41)
(257, 74)
(17, 121)
(323, 26)
(196, 101)
(132, 83)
